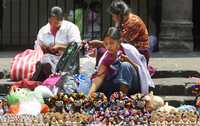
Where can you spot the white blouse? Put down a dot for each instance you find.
(136, 57)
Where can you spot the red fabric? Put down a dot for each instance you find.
(108, 59)
(111, 58)
(27, 84)
(23, 64)
(44, 108)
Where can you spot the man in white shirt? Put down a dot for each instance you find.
(57, 31)
(55, 36)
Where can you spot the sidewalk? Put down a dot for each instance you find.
(176, 61)
(170, 61)
(6, 58)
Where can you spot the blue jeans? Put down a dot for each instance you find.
(127, 75)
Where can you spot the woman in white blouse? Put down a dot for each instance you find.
(55, 36)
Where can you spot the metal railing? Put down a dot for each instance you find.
(22, 19)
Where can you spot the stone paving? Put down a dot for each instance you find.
(176, 61)
(161, 60)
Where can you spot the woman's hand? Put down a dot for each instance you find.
(92, 89)
(53, 50)
(124, 58)
(55, 74)
(58, 49)
(43, 47)
(97, 81)
(95, 43)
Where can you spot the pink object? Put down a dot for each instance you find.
(151, 70)
(195, 79)
(51, 81)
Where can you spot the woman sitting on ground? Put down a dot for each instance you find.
(121, 68)
(53, 38)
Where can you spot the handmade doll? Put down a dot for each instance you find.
(99, 100)
(78, 101)
(128, 103)
(185, 118)
(153, 102)
(192, 117)
(88, 106)
(167, 108)
(178, 118)
(117, 95)
(138, 101)
(170, 117)
(53, 122)
(57, 103)
(154, 117)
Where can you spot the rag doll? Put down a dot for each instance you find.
(153, 102)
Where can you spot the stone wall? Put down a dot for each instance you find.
(176, 26)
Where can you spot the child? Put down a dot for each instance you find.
(121, 68)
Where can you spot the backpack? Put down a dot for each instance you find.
(69, 61)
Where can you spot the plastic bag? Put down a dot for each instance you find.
(44, 91)
(67, 84)
(187, 108)
(32, 107)
(84, 83)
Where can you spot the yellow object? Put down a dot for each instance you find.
(198, 82)
(60, 46)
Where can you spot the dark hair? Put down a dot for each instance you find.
(57, 12)
(114, 33)
(119, 7)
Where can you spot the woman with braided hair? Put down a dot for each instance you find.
(132, 28)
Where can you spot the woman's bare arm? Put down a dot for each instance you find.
(95, 44)
(98, 79)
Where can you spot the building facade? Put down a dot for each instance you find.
(171, 22)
